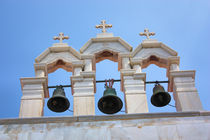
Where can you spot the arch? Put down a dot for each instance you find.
(105, 48)
(106, 54)
(154, 59)
(59, 63)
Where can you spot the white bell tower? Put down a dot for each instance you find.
(130, 64)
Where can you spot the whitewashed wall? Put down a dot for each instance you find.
(148, 126)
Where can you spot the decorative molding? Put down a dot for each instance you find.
(152, 44)
(92, 118)
(172, 74)
(57, 50)
(79, 63)
(136, 61)
(106, 39)
(36, 80)
(41, 66)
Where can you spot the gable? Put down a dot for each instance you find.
(114, 44)
(145, 50)
(53, 54)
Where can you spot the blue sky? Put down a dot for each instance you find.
(27, 28)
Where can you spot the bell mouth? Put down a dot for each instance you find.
(160, 99)
(58, 104)
(110, 104)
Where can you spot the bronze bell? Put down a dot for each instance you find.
(58, 102)
(110, 103)
(160, 98)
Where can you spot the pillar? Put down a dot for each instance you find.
(174, 67)
(184, 91)
(32, 101)
(133, 86)
(83, 92)
(125, 63)
(136, 63)
(40, 70)
(88, 64)
(77, 67)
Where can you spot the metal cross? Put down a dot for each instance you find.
(103, 26)
(147, 33)
(61, 37)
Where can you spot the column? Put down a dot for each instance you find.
(184, 91)
(40, 70)
(134, 90)
(88, 64)
(136, 63)
(88, 61)
(126, 63)
(77, 67)
(32, 102)
(83, 92)
(174, 67)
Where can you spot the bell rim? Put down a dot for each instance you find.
(66, 99)
(121, 103)
(153, 98)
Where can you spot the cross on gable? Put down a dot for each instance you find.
(147, 33)
(60, 37)
(103, 26)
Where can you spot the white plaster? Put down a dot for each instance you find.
(134, 90)
(31, 108)
(32, 101)
(153, 127)
(102, 35)
(60, 45)
(185, 93)
(146, 52)
(125, 63)
(77, 71)
(174, 67)
(136, 103)
(100, 46)
(88, 65)
(84, 105)
(52, 57)
(137, 67)
(40, 73)
(112, 43)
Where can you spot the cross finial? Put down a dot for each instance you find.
(147, 33)
(103, 26)
(61, 37)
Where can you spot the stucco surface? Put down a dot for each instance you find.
(147, 126)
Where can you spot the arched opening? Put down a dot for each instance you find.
(153, 59)
(59, 63)
(59, 77)
(106, 54)
(155, 73)
(107, 70)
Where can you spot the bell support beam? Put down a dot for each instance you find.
(133, 86)
(32, 101)
(83, 92)
(184, 91)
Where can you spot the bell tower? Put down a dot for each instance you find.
(188, 122)
(83, 81)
